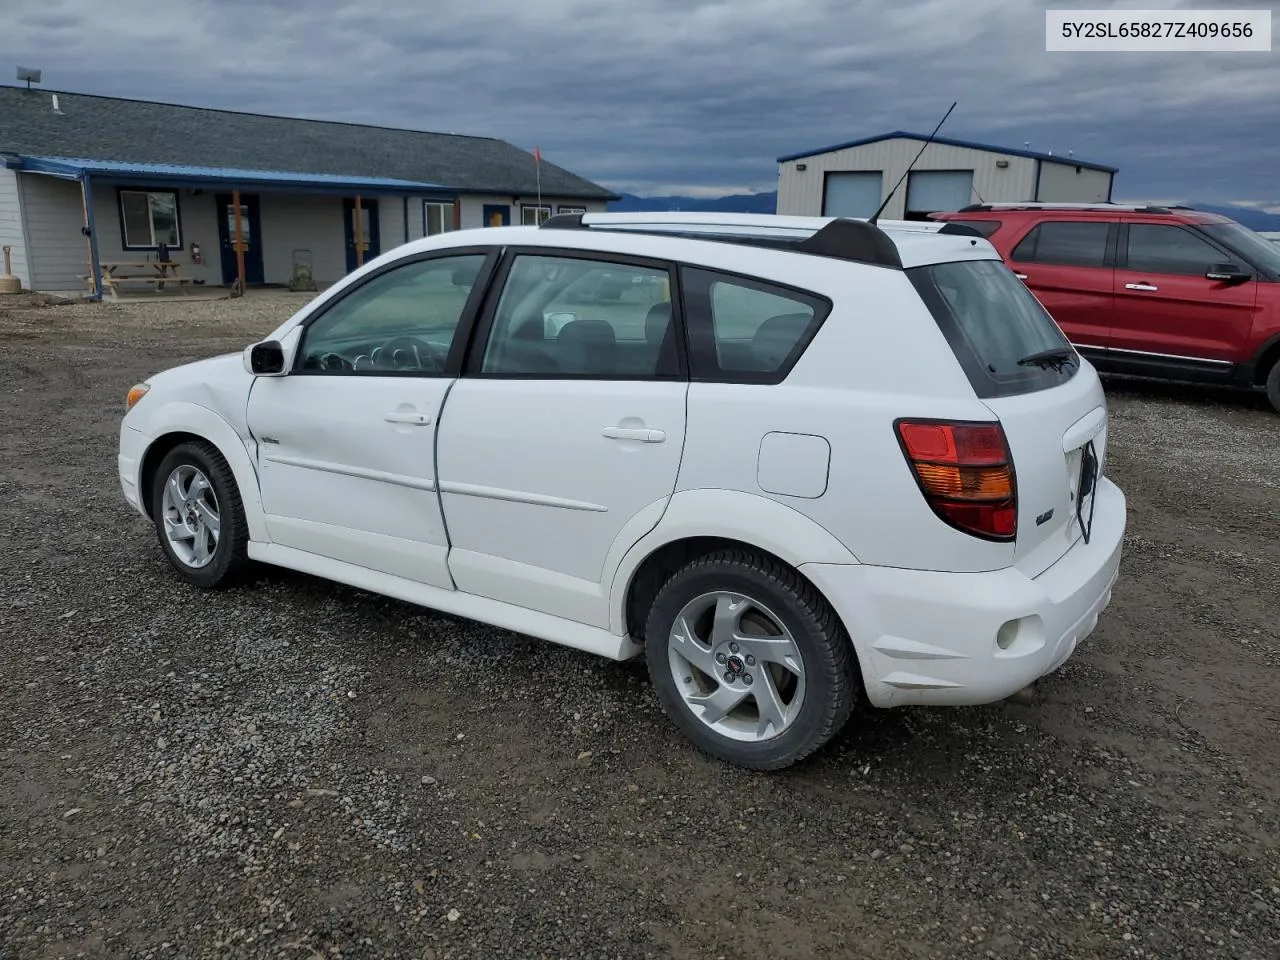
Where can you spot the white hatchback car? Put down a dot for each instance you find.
(797, 461)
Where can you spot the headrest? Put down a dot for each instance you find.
(776, 337)
(587, 332)
(657, 321)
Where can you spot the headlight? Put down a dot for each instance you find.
(136, 393)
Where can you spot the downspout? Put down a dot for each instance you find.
(95, 264)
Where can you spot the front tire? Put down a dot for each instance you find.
(749, 660)
(198, 515)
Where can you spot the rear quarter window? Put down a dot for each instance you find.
(992, 321)
(743, 330)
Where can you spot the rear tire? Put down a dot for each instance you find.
(1273, 386)
(199, 517)
(749, 660)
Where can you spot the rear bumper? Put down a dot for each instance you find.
(930, 638)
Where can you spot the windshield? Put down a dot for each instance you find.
(1260, 251)
(992, 322)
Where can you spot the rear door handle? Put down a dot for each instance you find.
(642, 434)
(413, 419)
(1141, 286)
(1021, 276)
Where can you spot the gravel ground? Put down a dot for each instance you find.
(296, 769)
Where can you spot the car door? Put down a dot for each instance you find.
(345, 440)
(561, 443)
(1168, 311)
(1065, 263)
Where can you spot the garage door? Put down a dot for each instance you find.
(852, 194)
(931, 191)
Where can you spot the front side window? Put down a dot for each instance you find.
(531, 215)
(149, 218)
(570, 317)
(1254, 246)
(437, 217)
(1065, 242)
(401, 321)
(1156, 248)
(746, 331)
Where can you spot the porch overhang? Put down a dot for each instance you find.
(230, 178)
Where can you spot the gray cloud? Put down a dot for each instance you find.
(660, 95)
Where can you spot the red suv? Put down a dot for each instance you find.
(1165, 292)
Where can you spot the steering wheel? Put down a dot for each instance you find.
(409, 353)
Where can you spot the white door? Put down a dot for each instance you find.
(346, 457)
(852, 193)
(565, 437)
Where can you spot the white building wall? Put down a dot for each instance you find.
(311, 223)
(12, 234)
(473, 206)
(197, 222)
(1068, 183)
(57, 252)
(800, 191)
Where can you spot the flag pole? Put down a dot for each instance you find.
(537, 162)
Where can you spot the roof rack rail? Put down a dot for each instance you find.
(1105, 205)
(857, 241)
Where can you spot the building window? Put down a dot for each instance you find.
(531, 214)
(437, 217)
(149, 218)
(563, 209)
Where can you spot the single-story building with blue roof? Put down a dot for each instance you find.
(852, 179)
(96, 189)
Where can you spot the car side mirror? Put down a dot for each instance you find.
(265, 359)
(1228, 273)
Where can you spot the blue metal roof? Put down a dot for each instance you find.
(906, 135)
(167, 173)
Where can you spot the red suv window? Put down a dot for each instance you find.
(1075, 243)
(1168, 249)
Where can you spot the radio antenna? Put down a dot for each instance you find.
(876, 215)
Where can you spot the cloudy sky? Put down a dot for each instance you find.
(686, 96)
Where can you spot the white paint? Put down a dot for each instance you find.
(12, 234)
(537, 513)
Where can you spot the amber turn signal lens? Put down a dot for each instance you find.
(136, 393)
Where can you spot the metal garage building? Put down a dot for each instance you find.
(851, 179)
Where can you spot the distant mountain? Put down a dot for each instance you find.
(738, 203)
(768, 203)
(1258, 220)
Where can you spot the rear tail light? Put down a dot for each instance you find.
(965, 472)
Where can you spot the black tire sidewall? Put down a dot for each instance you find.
(217, 473)
(798, 740)
(1273, 386)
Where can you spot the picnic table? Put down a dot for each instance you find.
(157, 272)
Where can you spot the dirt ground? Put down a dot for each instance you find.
(296, 769)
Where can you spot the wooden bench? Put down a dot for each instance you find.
(163, 272)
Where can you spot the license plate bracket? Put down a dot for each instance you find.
(1085, 490)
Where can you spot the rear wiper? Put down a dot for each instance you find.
(1054, 357)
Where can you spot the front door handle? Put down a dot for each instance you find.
(1151, 287)
(413, 419)
(642, 434)
(1021, 276)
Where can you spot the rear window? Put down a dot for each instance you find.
(992, 321)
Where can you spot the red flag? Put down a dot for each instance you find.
(537, 154)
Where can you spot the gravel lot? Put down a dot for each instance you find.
(297, 769)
